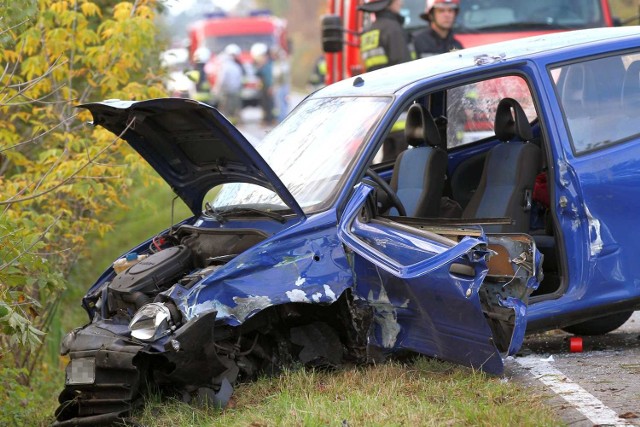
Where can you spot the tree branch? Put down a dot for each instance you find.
(38, 136)
(64, 182)
(17, 257)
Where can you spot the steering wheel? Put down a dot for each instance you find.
(395, 200)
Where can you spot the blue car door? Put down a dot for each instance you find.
(448, 292)
(597, 196)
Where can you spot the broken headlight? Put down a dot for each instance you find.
(151, 322)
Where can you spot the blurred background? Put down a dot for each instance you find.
(302, 20)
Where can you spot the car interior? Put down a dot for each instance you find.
(489, 181)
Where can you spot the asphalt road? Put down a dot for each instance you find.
(598, 386)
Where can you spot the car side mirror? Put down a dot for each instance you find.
(332, 34)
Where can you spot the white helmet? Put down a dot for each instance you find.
(258, 50)
(435, 4)
(202, 54)
(232, 50)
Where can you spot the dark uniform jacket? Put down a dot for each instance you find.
(427, 42)
(385, 42)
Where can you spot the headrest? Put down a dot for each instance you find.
(631, 86)
(420, 128)
(511, 121)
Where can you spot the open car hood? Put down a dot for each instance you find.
(190, 144)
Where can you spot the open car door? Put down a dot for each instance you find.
(440, 287)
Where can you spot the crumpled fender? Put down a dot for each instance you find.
(309, 267)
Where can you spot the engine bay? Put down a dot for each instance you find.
(185, 255)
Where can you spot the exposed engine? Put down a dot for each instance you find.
(200, 360)
(185, 256)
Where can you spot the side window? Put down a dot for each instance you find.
(395, 141)
(471, 109)
(600, 99)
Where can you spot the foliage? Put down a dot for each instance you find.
(59, 178)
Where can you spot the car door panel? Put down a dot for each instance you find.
(427, 290)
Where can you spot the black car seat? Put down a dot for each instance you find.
(509, 173)
(419, 172)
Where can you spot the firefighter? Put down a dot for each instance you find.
(263, 62)
(318, 74)
(438, 36)
(199, 76)
(384, 43)
(229, 83)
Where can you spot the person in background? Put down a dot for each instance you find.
(229, 83)
(385, 42)
(438, 36)
(281, 82)
(318, 74)
(198, 75)
(264, 70)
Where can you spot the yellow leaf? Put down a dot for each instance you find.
(59, 7)
(122, 11)
(90, 9)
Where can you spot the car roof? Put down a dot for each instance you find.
(390, 80)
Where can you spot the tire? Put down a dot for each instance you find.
(599, 326)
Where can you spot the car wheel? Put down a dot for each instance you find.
(599, 326)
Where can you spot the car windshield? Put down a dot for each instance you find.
(514, 15)
(310, 152)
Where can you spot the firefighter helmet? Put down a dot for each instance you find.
(233, 50)
(375, 6)
(445, 4)
(201, 55)
(259, 50)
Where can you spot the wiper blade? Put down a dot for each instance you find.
(224, 214)
(212, 213)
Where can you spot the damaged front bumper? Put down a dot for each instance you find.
(108, 372)
(102, 381)
(201, 361)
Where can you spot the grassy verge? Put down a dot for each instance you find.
(425, 393)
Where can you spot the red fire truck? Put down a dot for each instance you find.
(219, 30)
(479, 22)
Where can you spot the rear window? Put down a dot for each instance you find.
(471, 109)
(600, 99)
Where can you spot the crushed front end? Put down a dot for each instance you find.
(204, 309)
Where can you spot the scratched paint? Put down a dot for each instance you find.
(595, 238)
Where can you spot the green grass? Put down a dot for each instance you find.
(423, 393)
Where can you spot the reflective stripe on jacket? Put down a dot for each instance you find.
(385, 42)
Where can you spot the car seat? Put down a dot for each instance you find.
(419, 172)
(509, 173)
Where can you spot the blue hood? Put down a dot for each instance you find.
(190, 144)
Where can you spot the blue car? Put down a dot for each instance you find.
(445, 207)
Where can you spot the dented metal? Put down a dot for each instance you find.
(290, 271)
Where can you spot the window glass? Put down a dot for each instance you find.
(471, 109)
(310, 152)
(600, 99)
(514, 15)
